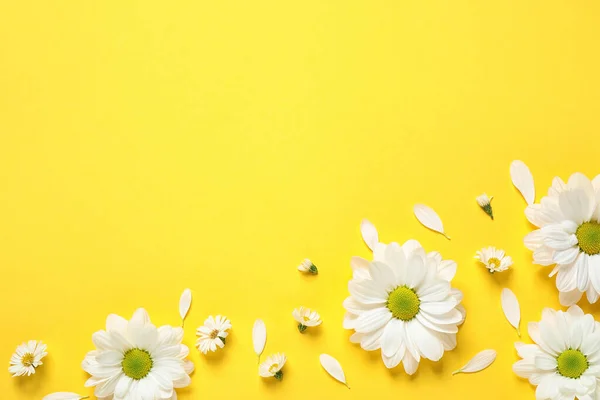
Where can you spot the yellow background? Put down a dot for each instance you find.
(149, 146)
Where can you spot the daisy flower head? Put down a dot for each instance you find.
(495, 260)
(485, 203)
(564, 362)
(136, 360)
(212, 334)
(272, 366)
(27, 358)
(306, 318)
(307, 266)
(568, 237)
(403, 304)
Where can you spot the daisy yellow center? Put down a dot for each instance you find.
(305, 318)
(588, 237)
(403, 303)
(273, 368)
(494, 262)
(214, 334)
(27, 359)
(137, 363)
(572, 363)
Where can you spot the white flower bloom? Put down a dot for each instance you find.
(135, 360)
(272, 366)
(212, 334)
(403, 304)
(495, 260)
(565, 361)
(569, 236)
(485, 203)
(308, 266)
(306, 318)
(27, 358)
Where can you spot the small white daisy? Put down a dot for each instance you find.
(306, 318)
(495, 260)
(272, 366)
(27, 358)
(564, 362)
(212, 334)
(485, 203)
(308, 266)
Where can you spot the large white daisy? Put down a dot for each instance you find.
(403, 304)
(135, 360)
(565, 361)
(569, 236)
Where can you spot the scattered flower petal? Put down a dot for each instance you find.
(523, 180)
(185, 301)
(272, 366)
(65, 396)
(495, 260)
(308, 266)
(212, 335)
(259, 337)
(510, 306)
(485, 203)
(369, 233)
(306, 318)
(27, 358)
(333, 368)
(429, 218)
(481, 361)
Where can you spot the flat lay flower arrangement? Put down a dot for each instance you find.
(401, 304)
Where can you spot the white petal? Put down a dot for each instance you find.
(360, 268)
(523, 180)
(392, 337)
(369, 233)
(410, 363)
(583, 274)
(259, 336)
(185, 301)
(429, 218)
(429, 346)
(447, 270)
(569, 298)
(333, 368)
(575, 205)
(544, 362)
(594, 269)
(63, 396)
(372, 320)
(510, 306)
(482, 360)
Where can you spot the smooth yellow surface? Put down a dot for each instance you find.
(150, 146)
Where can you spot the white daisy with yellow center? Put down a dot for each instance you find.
(403, 304)
(272, 366)
(495, 260)
(27, 358)
(306, 318)
(212, 335)
(136, 360)
(569, 236)
(564, 362)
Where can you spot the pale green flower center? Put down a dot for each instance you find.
(572, 363)
(137, 363)
(403, 303)
(27, 359)
(588, 237)
(494, 262)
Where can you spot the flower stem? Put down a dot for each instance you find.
(278, 375)
(458, 371)
(301, 328)
(313, 269)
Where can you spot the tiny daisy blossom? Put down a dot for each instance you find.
(308, 266)
(564, 362)
(272, 366)
(27, 358)
(485, 203)
(135, 360)
(212, 334)
(569, 236)
(306, 318)
(495, 260)
(403, 304)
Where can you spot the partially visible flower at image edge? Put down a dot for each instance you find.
(27, 357)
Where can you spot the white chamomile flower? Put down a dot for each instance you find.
(272, 366)
(403, 304)
(308, 266)
(569, 236)
(27, 358)
(212, 334)
(485, 203)
(495, 260)
(306, 318)
(135, 360)
(564, 362)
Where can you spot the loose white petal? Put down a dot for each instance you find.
(369, 233)
(523, 180)
(259, 337)
(185, 301)
(481, 361)
(65, 396)
(429, 218)
(510, 306)
(333, 368)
